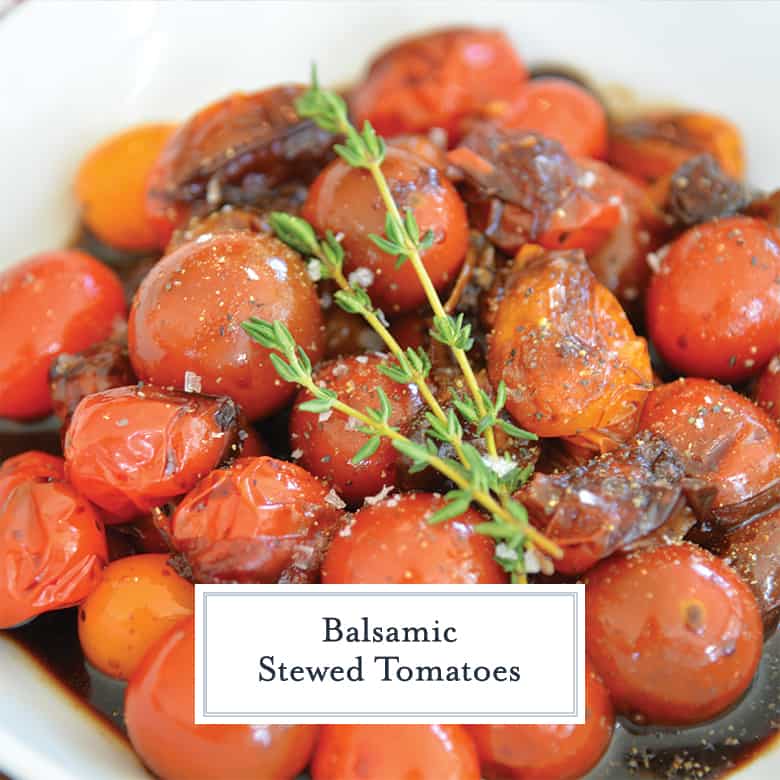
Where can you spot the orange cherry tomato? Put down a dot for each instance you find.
(345, 200)
(674, 632)
(187, 315)
(392, 542)
(258, 520)
(327, 446)
(713, 306)
(730, 442)
(571, 361)
(131, 449)
(159, 713)
(35, 464)
(53, 302)
(767, 390)
(549, 752)
(139, 599)
(111, 187)
(395, 752)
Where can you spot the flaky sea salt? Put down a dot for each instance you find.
(192, 382)
(380, 496)
(362, 277)
(333, 499)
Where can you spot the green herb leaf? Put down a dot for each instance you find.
(366, 451)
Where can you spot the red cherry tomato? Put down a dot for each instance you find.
(159, 713)
(713, 306)
(35, 464)
(51, 303)
(549, 752)
(258, 520)
(727, 440)
(327, 446)
(345, 200)
(131, 449)
(395, 752)
(674, 632)
(392, 542)
(437, 79)
(188, 312)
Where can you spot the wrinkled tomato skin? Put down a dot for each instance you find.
(727, 440)
(159, 713)
(329, 445)
(392, 542)
(345, 200)
(53, 302)
(139, 599)
(674, 633)
(713, 307)
(35, 464)
(253, 521)
(565, 752)
(437, 79)
(188, 311)
(571, 361)
(131, 449)
(430, 752)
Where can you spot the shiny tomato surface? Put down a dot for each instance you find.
(35, 464)
(54, 302)
(766, 392)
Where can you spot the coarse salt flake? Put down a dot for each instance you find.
(333, 499)
(192, 382)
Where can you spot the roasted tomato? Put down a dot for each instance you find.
(187, 315)
(766, 392)
(391, 541)
(51, 303)
(111, 187)
(246, 149)
(131, 449)
(345, 200)
(159, 713)
(259, 520)
(35, 464)
(654, 146)
(713, 306)
(721, 436)
(225, 220)
(437, 79)
(673, 631)
(139, 599)
(419, 752)
(328, 442)
(432, 147)
(572, 364)
(549, 752)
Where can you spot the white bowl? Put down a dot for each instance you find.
(73, 72)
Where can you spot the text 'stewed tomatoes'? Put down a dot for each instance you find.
(366, 751)
(159, 712)
(328, 445)
(437, 79)
(713, 306)
(345, 200)
(392, 542)
(51, 303)
(131, 449)
(139, 599)
(187, 315)
(111, 187)
(675, 634)
(259, 520)
(549, 752)
(571, 361)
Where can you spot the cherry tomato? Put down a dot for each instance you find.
(572, 364)
(767, 390)
(51, 303)
(437, 79)
(327, 446)
(258, 520)
(728, 441)
(549, 752)
(431, 147)
(345, 200)
(673, 631)
(133, 448)
(225, 220)
(35, 464)
(138, 601)
(111, 187)
(713, 306)
(392, 541)
(187, 315)
(394, 752)
(159, 713)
